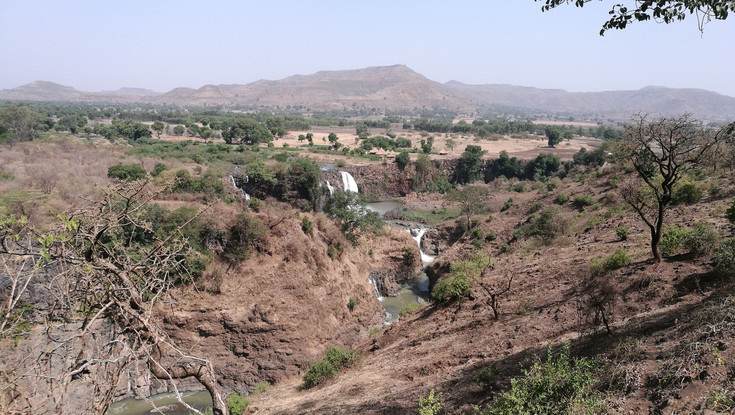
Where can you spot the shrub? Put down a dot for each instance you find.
(730, 212)
(126, 172)
(701, 241)
(561, 198)
(688, 193)
(520, 187)
(507, 205)
(236, 403)
(622, 232)
(340, 163)
(306, 225)
(488, 377)
(157, 169)
(331, 251)
(583, 201)
(352, 303)
(504, 248)
(408, 308)
(534, 208)
(672, 240)
(616, 260)
(336, 359)
(725, 259)
(559, 385)
(490, 237)
(431, 405)
(458, 284)
(254, 204)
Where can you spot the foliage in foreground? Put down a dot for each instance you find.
(559, 385)
(336, 359)
(458, 284)
(431, 405)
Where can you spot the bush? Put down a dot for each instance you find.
(458, 284)
(622, 232)
(559, 385)
(730, 212)
(126, 172)
(352, 304)
(672, 240)
(725, 259)
(490, 237)
(488, 377)
(340, 163)
(331, 251)
(157, 169)
(307, 226)
(701, 241)
(236, 403)
(534, 208)
(507, 205)
(254, 204)
(561, 198)
(583, 201)
(336, 359)
(688, 193)
(408, 308)
(431, 405)
(616, 260)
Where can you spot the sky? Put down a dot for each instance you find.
(160, 45)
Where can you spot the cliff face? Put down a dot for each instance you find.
(287, 304)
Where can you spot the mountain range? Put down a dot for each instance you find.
(396, 88)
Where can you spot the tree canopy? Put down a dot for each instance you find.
(666, 11)
(247, 131)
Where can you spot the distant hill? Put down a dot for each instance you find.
(398, 88)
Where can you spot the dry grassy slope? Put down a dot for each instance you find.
(287, 304)
(443, 348)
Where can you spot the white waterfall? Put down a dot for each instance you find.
(330, 188)
(234, 184)
(375, 287)
(416, 234)
(349, 183)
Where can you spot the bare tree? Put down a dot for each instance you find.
(497, 290)
(662, 150)
(105, 281)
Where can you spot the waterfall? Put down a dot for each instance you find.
(416, 234)
(349, 183)
(234, 184)
(330, 188)
(375, 287)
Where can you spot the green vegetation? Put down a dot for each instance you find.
(408, 309)
(336, 359)
(433, 216)
(622, 232)
(349, 211)
(547, 226)
(306, 226)
(431, 405)
(507, 205)
(583, 201)
(488, 377)
(559, 385)
(672, 240)
(126, 172)
(725, 259)
(561, 198)
(687, 193)
(458, 284)
(352, 303)
(616, 260)
(236, 403)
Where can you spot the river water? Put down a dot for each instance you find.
(166, 402)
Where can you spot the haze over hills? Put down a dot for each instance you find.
(398, 88)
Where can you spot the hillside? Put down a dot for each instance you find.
(398, 88)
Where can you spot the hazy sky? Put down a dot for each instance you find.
(104, 45)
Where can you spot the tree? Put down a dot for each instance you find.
(350, 211)
(662, 150)
(554, 135)
(179, 130)
(666, 11)
(131, 130)
(402, 159)
(247, 131)
(158, 127)
(19, 122)
(305, 178)
(471, 200)
(333, 140)
(110, 270)
(469, 168)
